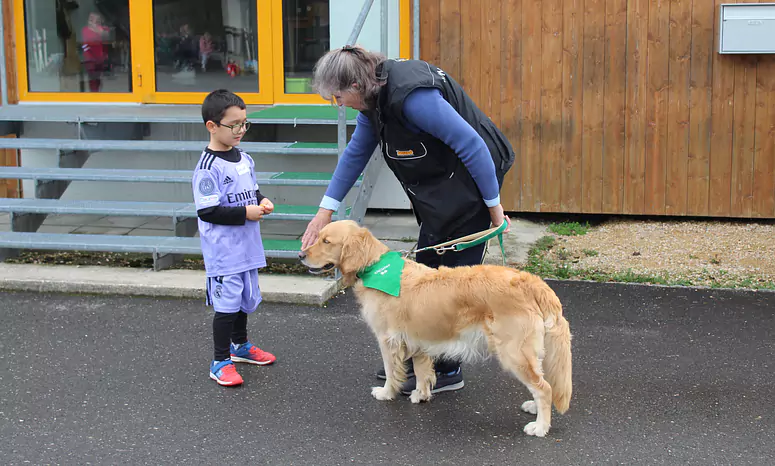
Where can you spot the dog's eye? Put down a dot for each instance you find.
(325, 241)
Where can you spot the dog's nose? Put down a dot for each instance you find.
(302, 256)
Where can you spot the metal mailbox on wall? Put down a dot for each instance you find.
(747, 28)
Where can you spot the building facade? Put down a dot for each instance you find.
(612, 106)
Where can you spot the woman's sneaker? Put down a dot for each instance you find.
(225, 373)
(448, 382)
(381, 373)
(251, 354)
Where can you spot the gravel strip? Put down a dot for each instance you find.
(702, 252)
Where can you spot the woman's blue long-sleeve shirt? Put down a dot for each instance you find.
(426, 110)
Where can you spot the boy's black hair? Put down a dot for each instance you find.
(217, 102)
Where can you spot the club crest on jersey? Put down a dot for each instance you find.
(206, 186)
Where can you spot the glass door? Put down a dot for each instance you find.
(304, 30)
(70, 50)
(177, 51)
(302, 35)
(192, 47)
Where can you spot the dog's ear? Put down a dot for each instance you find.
(353, 256)
(360, 249)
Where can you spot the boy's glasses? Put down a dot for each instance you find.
(237, 128)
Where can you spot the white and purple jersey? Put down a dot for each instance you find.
(227, 249)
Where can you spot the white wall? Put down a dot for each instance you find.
(343, 13)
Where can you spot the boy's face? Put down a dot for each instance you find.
(232, 127)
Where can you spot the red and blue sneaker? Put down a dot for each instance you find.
(251, 354)
(225, 373)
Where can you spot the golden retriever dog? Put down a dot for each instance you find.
(469, 312)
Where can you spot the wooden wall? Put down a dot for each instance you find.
(615, 106)
(10, 50)
(9, 157)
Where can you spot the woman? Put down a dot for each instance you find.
(448, 156)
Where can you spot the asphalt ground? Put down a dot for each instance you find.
(661, 376)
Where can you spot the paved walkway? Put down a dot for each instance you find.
(661, 376)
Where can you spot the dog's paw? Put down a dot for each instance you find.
(530, 407)
(382, 394)
(419, 397)
(536, 429)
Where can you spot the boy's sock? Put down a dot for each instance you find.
(223, 323)
(239, 332)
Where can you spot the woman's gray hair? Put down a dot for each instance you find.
(340, 68)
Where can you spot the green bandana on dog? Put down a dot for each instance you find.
(384, 275)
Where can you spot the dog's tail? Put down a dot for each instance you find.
(557, 338)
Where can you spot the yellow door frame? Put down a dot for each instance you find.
(270, 61)
(145, 66)
(25, 95)
(280, 96)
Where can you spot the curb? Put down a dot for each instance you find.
(290, 289)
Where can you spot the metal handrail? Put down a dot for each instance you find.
(356, 31)
(359, 21)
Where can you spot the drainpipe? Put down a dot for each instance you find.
(416, 30)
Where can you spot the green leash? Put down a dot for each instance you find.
(469, 241)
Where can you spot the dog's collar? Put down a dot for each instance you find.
(385, 274)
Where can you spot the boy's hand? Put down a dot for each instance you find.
(254, 212)
(267, 205)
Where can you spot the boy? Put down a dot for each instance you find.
(229, 206)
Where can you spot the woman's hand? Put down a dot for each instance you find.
(497, 217)
(322, 218)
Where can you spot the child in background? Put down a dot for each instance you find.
(205, 49)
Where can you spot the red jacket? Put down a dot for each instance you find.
(94, 48)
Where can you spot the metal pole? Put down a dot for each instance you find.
(383, 22)
(341, 138)
(416, 31)
(3, 80)
(359, 22)
(341, 133)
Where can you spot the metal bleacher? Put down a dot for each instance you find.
(126, 128)
(26, 215)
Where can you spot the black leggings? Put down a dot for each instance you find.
(227, 328)
(470, 256)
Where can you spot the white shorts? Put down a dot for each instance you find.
(234, 293)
